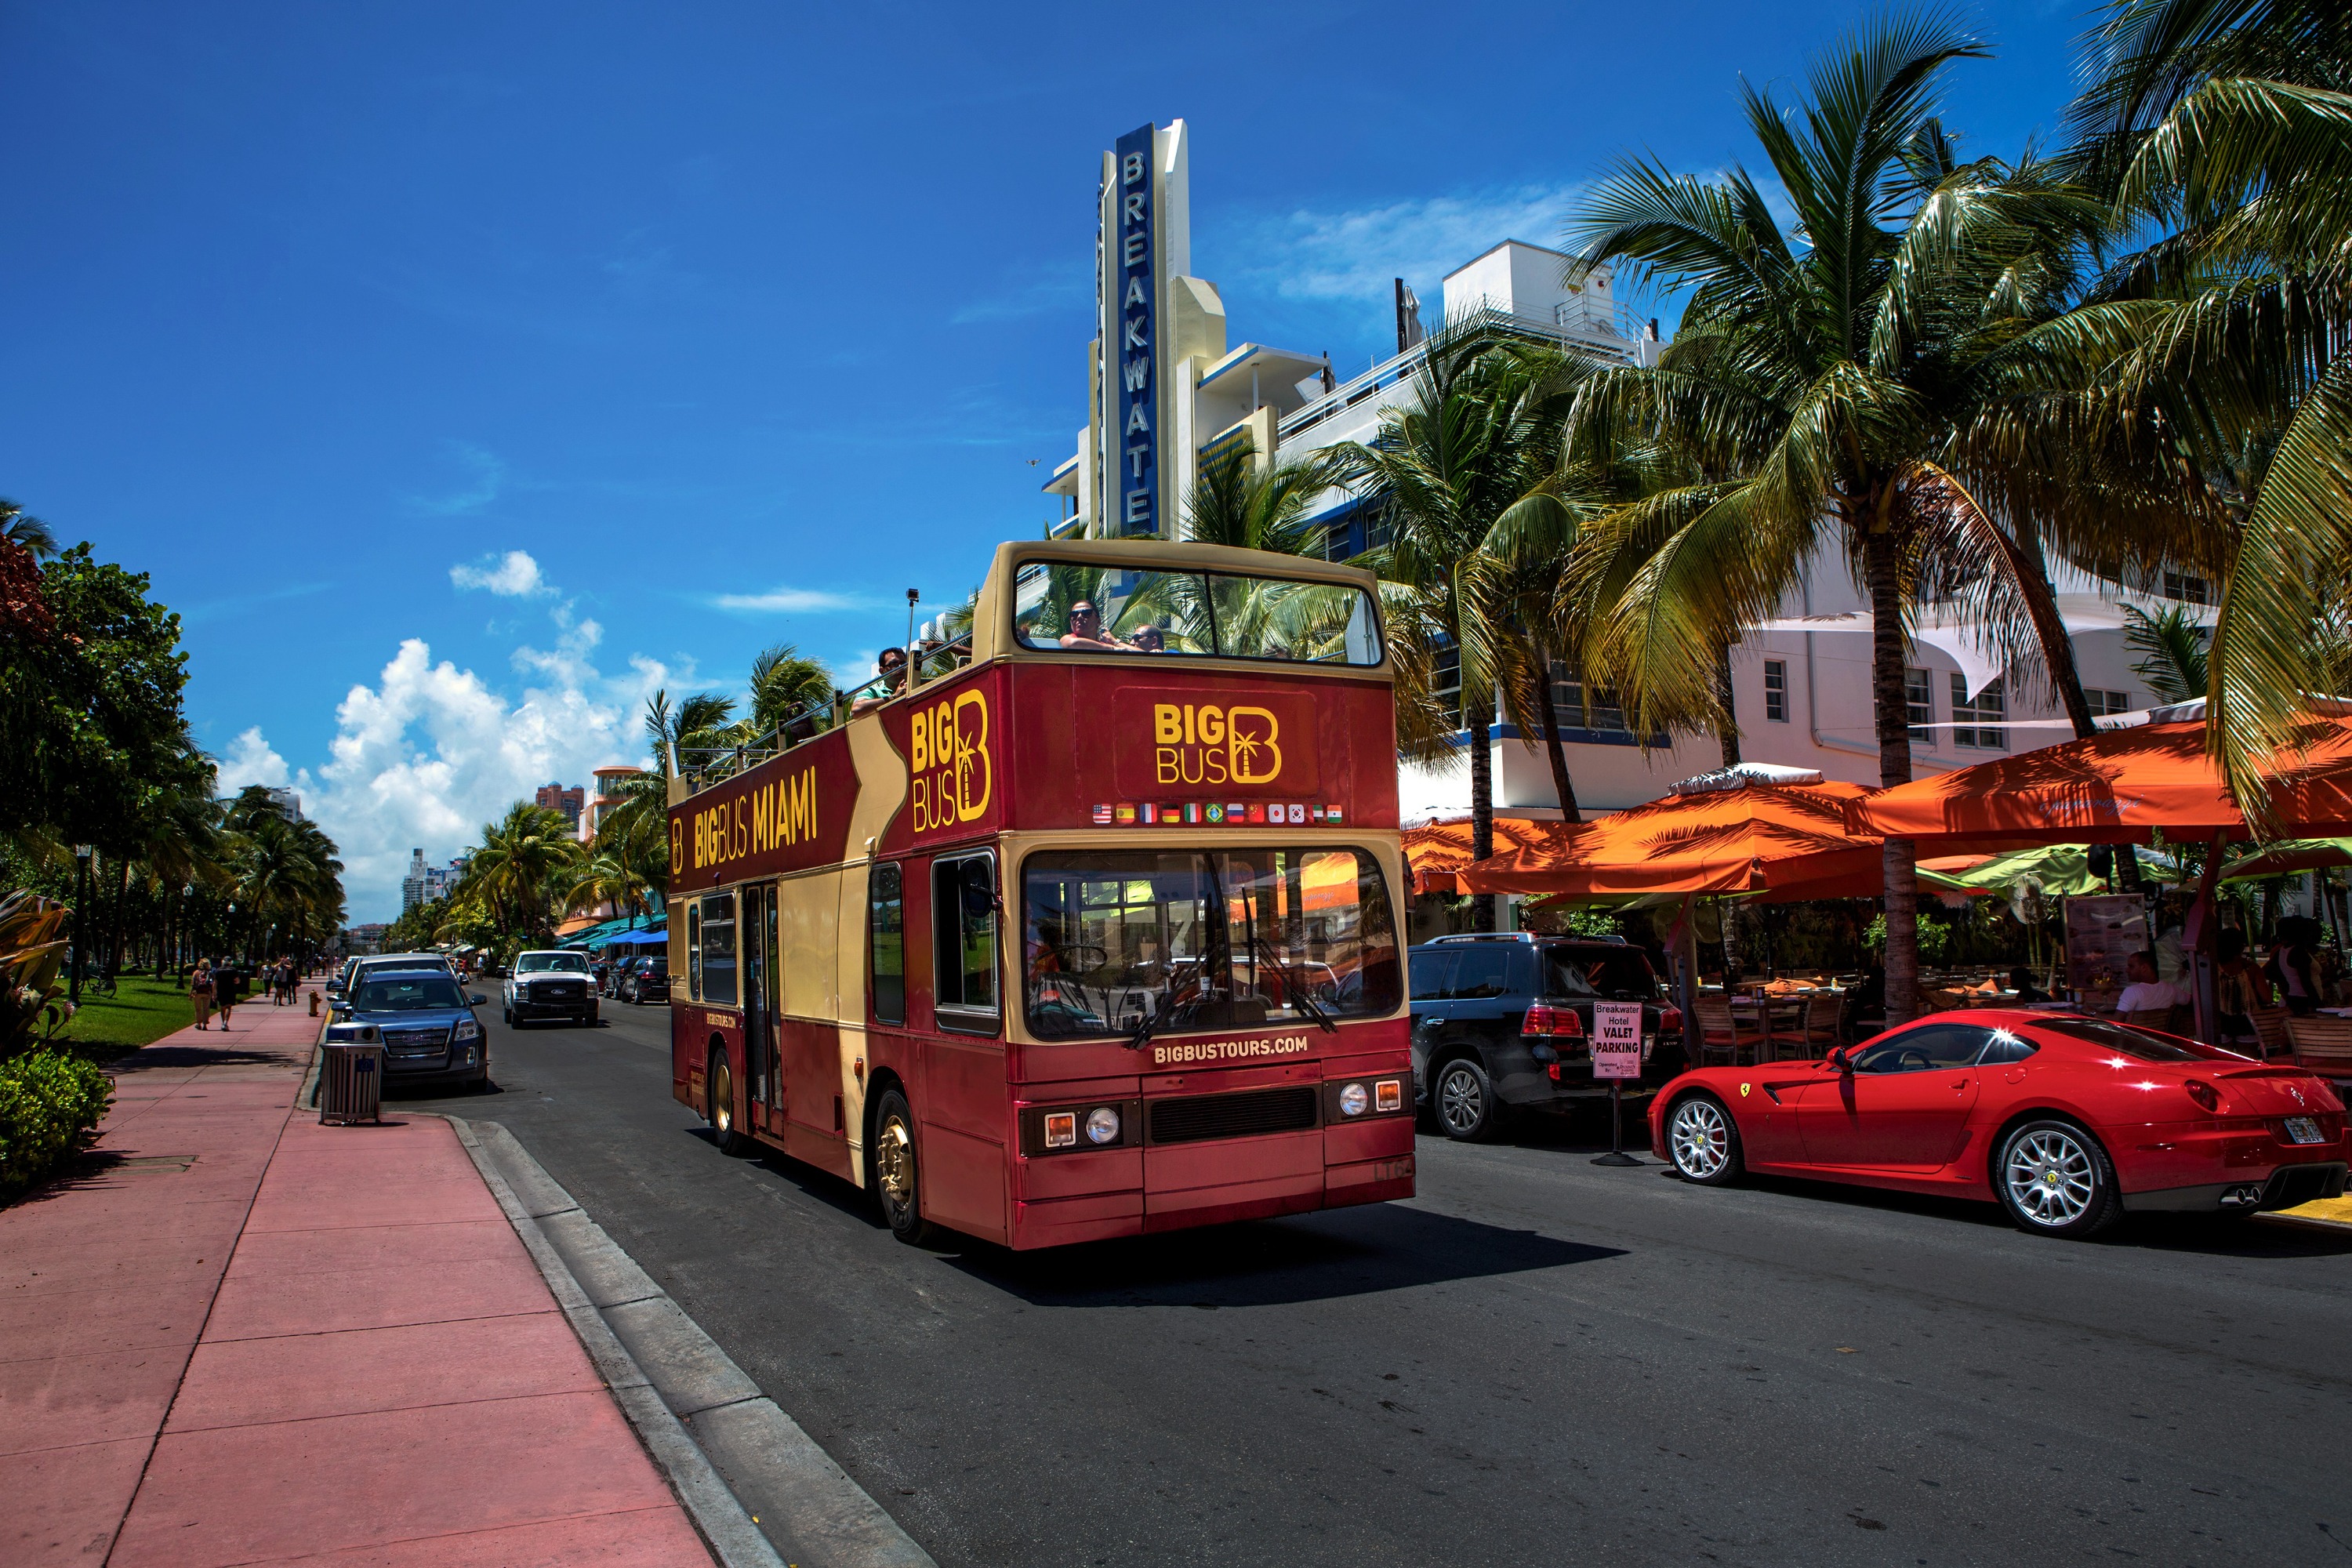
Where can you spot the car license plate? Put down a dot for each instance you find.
(2304, 1129)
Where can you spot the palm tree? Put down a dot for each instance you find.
(26, 532)
(787, 686)
(2172, 646)
(1252, 506)
(2224, 129)
(1819, 387)
(517, 868)
(1459, 478)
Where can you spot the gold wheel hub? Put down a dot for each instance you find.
(722, 1099)
(893, 1162)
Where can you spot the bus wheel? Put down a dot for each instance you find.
(895, 1181)
(719, 1108)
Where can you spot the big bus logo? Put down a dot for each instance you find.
(949, 754)
(1205, 745)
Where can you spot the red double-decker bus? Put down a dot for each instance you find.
(1085, 928)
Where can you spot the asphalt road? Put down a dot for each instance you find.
(1536, 1361)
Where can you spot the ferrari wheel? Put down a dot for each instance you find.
(2055, 1180)
(897, 1180)
(1704, 1141)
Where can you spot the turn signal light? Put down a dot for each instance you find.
(1061, 1129)
(1388, 1094)
(1545, 1019)
(2204, 1094)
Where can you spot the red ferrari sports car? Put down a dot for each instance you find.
(2067, 1122)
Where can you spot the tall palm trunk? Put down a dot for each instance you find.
(1726, 733)
(1550, 710)
(1482, 803)
(1883, 567)
(121, 899)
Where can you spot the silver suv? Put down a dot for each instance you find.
(551, 985)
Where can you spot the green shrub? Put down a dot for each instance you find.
(49, 1105)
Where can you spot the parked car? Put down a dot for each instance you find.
(550, 985)
(423, 1019)
(1504, 1021)
(2066, 1122)
(353, 968)
(647, 979)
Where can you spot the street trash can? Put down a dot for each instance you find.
(351, 1083)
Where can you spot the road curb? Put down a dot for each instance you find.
(755, 1484)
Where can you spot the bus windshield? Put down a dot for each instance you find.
(1095, 609)
(1204, 938)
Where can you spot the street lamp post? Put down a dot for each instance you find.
(187, 914)
(81, 897)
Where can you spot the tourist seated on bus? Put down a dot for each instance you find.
(891, 670)
(1086, 632)
(1149, 638)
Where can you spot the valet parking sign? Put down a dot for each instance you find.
(1616, 1039)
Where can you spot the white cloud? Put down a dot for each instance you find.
(514, 575)
(1355, 255)
(251, 761)
(806, 599)
(485, 476)
(429, 753)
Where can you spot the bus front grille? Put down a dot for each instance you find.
(1191, 1120)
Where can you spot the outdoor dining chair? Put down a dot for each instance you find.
(1814, 1029)
(2156, 1018)
(1721, 1033)
(2323, 1046)
(2270, 1027)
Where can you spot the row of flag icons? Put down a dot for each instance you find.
(1216, 813)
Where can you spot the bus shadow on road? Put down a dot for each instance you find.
(1261, 1263)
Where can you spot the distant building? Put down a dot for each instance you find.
(611, 784)
(411, 886)
(288, 802)
(568, 799)
(365, 939)
(440, 879)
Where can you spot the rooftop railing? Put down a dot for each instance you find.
(1578, 322)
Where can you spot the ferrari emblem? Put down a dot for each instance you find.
(1743, 1091)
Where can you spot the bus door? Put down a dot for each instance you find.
(759, 1003)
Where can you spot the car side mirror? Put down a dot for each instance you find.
(1839, 1059)
(477, 999)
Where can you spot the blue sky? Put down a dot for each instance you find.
(463, 372)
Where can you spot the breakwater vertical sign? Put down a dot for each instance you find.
(1132, 357)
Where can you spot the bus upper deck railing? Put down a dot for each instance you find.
(703, 766)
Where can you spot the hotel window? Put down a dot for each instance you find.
(1581, 707)
(2188, 590)
(1776, 690)
(1971, 721)
(1920, 705)
(1445, 682)
(2103, 703)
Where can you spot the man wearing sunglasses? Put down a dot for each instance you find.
(891, 668)
(1086, 632)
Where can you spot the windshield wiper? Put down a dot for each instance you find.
(1299, 993)
(1144, 1027)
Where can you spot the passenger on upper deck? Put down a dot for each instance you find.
(1086, 632)
(1149, 638)
(890, 667)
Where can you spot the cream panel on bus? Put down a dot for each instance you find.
(808, 933)
(850, 993)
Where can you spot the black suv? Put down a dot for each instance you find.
(1505, 1020)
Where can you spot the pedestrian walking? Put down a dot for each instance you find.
(200, 993)
(225, 984)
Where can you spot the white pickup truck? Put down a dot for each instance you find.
(554, 984)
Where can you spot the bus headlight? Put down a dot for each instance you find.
(1102, 1125)
(1353, 1099)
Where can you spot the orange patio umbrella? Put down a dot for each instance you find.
(1758, 838)
(2115, 787)
(1439, 849)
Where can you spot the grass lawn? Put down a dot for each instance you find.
(144, 1011)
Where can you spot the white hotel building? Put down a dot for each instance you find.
(1177, 390)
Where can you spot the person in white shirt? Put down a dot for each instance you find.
(2145, 992)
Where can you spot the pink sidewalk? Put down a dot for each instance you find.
(251, 1339)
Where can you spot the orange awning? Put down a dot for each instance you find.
(1758, 839)
(1435, 852)
(2116, 787)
